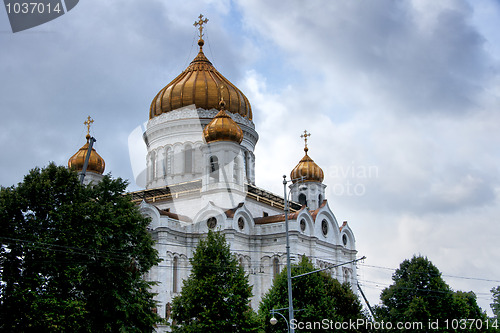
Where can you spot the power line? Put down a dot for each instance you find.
(121, 256)
(445, 275)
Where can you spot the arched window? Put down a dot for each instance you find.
(246, 160)
(320, 199)
(160, 164)
(175, 269)
(347, 274)
(324, 227)
(236, 170)
(344, 239)
(152, 166)
(168, 161)
(214, 168)
(188, 159)
(276, 267)
(302, 199)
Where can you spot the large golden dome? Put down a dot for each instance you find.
(96, 162)
(307, 170)
(222, 128)
(199, 84)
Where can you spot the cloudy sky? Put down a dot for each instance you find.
(401, 98)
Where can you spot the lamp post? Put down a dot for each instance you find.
(288, 266)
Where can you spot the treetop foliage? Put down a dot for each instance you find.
(316, 297)
(72, 257)
(419, 294)
(495, 306)
(215, 297)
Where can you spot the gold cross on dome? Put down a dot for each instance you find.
(200, 23)
(88, 122)
(305, 136)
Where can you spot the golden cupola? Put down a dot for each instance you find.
(222, 128)
(306, 169)
(199, 84)
(96, 162)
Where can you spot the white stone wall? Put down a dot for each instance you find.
(260, 248)
(313, 193)
(171, 134)
(255, 245)
(90, 177)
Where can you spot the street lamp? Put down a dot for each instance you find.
(288, 267)
(274, 321)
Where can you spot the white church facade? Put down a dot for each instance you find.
(200, 176)
(200, 141)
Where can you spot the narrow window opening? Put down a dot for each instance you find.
(302, 199)
(276, 267)
(175, 273)
(188, 160)
(214, 168)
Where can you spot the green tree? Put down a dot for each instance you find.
(420, 295)
(215, 297)
(318, 297)
(72, 257)
(495, 306)
(464, 305)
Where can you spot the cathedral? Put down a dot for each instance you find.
(200, 141)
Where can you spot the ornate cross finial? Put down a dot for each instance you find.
(305, 136)
(88, 122)
(200, 23)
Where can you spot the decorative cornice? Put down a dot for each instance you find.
(190, 112)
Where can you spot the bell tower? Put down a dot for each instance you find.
(223, 179)
(96, 165)
(307, 180)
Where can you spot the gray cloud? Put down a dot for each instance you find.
(407, 87)
(390, 50)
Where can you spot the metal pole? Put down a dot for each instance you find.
(366, 301)
(87, 157)
(288, 266)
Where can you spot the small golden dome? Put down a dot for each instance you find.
(307, 169)
(222, 128)
(198, 84)
(96, 162)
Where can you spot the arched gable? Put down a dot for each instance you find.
(305, 216)
(210, 211)
(243, 213)
(348, 241)
(151, 212)
(324, 213)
